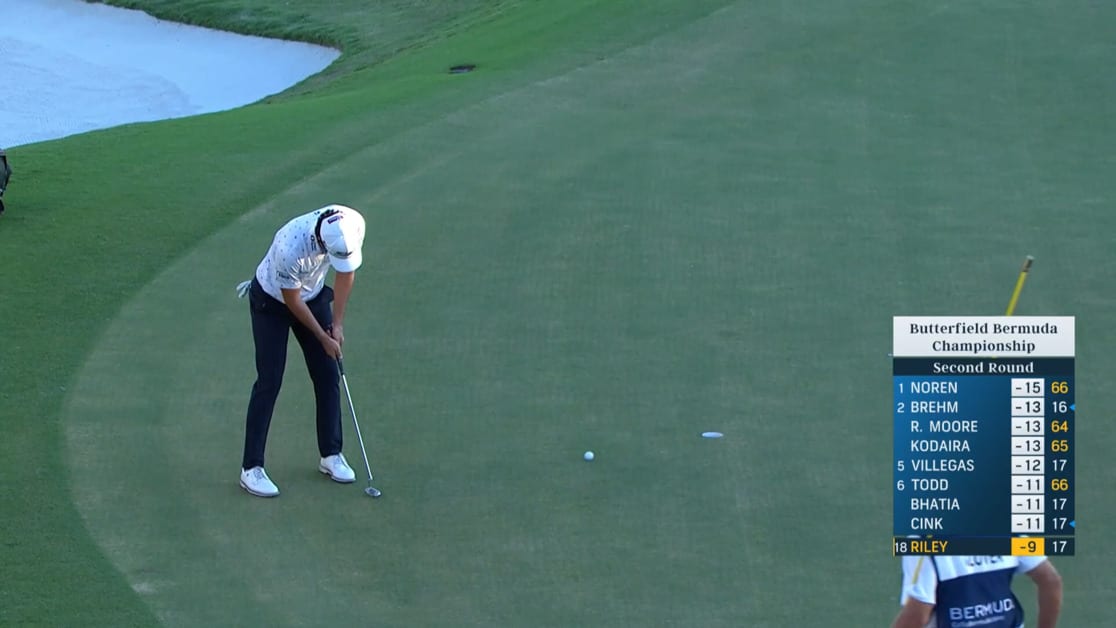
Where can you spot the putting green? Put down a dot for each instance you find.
(707, 230)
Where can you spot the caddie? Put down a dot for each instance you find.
(974, 592)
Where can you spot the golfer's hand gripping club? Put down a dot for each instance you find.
(331, 345)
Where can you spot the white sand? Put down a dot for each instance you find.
(68, 67)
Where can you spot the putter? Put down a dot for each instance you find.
(370, 491)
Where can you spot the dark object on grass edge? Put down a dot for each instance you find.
(463, 68)
(5, 175)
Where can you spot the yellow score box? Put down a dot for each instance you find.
(1028, 546)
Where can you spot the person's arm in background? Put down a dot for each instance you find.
(920, 588)
(293, 298)
(342, 288)
(1049, 583)
(914, 614)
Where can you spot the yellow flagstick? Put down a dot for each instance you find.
(1019, 284)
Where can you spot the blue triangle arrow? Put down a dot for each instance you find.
(1073, 524)
(1072, 406)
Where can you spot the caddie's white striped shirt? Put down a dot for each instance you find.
(967, 591)
(295, 259)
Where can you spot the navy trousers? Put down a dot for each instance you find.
(271, 322)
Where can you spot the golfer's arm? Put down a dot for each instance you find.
(914, 614)
(1049, 593)
(342, 288)
(298, 307)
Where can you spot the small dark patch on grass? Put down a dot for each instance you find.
(463, 68)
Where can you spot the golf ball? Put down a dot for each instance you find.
(588, 455)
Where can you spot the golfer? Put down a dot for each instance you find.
(974, 591)
(288, 294)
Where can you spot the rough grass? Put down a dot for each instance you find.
(368, 33)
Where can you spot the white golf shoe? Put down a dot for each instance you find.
(337, 468)
(256, 482)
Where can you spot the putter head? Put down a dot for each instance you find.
(372, 491)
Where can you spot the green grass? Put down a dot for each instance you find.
(368, 33)
(636, 222)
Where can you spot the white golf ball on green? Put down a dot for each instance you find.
(588, 455)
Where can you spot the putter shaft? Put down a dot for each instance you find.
(371, 490)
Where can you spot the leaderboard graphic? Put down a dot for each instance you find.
(984, 419)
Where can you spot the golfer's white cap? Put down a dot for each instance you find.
(343, 236)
